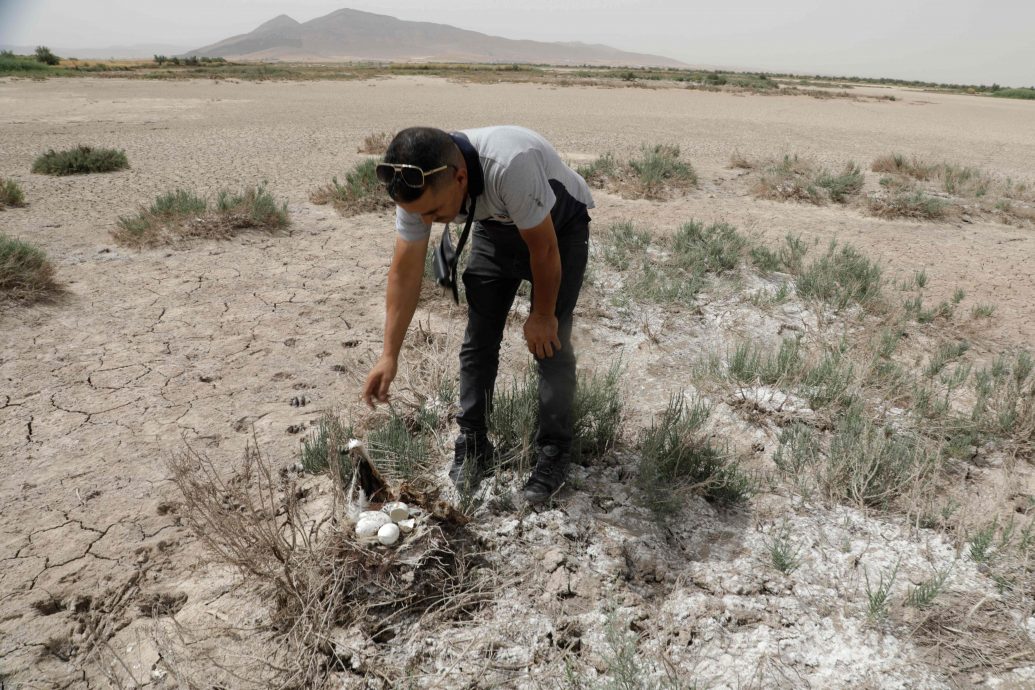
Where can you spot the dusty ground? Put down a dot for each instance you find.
(148, 349)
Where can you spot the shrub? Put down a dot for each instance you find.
(842, 186)
(18, 64)
(361, 193)
(676, 460)
(842, 277)
(182, 214)
(329, 440)
(44, 55)
(599, 171)
(1024, 93)
(25, 271)
(659, 168)
(10, 193)
(79, 161)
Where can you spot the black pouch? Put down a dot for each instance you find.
(447, 257)
(445, 262)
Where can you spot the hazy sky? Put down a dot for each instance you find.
(960, 41)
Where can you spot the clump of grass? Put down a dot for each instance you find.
(360, 193)
(797, 179)
(898, 164)
(623, 242)
(10, 193)
(599, 171)
(181, 214)
(597, 415)
(328, 441)
(843, 277)
(983, 311)
(788, 257)
(25, 272)
(659, 169)
(394, 447)
(656, 174)
(878, 598)
(782, 554)
(376, 143)
(675, 460)
(80, 160)
(751, 363)
(741, 162)
(712, 249)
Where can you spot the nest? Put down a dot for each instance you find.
(319, 577)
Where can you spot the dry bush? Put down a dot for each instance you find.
(10, 193)
(909, 204)
(376, 143)
(25, 272)
(742, 162)
(972, 632)
(319, 578)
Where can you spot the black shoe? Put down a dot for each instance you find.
(547, 478)
(473, 456)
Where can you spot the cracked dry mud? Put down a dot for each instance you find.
(210, 344)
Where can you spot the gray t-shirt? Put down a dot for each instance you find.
(518, 165)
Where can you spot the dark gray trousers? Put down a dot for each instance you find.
(497, 265)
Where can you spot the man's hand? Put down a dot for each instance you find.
(379, 379)
(541, 335)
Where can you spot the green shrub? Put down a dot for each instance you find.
(842, 277)
(623, 242)
(915, 204)
(799, 179)
(660, 167)
(79, 161)
(44, 55)
(1024, 93)
(11, 64)
(25, 271)
(361, 192)
(676, 460)
(10, 193)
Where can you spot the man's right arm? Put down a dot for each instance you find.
(401, 297)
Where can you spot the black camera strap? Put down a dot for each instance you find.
(475, 187)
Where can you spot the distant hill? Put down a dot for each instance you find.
(353, 35)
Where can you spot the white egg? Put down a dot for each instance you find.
(397, 511)
(368, 527)
(406, 526)
(374, 515)
(388, 534)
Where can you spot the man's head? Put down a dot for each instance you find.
(442, 194)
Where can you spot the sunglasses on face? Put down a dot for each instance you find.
(411, 175)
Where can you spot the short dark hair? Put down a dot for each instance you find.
(427, 148)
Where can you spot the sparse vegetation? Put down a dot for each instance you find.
(843, 277)
(182, 215)
(361, 192)
(10, 193)
(1027, 94)
(81, 160)
(25, 272)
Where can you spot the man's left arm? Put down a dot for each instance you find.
(545, 259)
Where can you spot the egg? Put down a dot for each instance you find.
(370, 521)
(406, 526)
(397, 511)
(388, 534)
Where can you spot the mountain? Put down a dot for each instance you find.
(354, 35)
